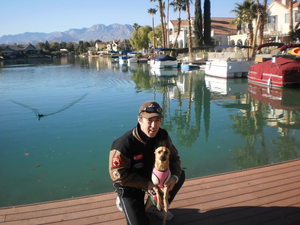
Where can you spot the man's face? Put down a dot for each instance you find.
(150, 126)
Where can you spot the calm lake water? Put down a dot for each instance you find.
(58, 120)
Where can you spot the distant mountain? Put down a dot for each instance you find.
(96, 32)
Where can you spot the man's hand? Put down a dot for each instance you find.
(150, 186)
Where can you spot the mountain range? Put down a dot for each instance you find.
(95, 32)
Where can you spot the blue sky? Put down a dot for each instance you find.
(19, 16)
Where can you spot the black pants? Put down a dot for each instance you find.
(132, 201)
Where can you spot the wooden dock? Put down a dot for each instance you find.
(267, 195)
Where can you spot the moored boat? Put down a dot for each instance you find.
(188, 67)
(280, 71)
(163, 59)
(228, 64)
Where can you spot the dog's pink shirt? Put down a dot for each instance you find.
(159, 178)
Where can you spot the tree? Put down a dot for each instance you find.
(139, 39)
(152, 12)
(198, 23)
(162, 23)
(178, 5)
(190, 30)
(136, 26)
(155, 35)
(291, 17)
(207, 23)
(262, 22)
(245, 14)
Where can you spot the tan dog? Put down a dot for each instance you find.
(160, 175)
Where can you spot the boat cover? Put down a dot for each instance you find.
(164, 57)
(280, 67)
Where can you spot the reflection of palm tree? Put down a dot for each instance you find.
(248, 156)
(206, 106)
(287, 147)
(41, 115)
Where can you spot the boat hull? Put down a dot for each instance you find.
(227, 69)
(163, 64)
(189, 67)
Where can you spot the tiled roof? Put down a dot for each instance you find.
(220, 25)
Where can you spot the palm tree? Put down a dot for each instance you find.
(152, 12)
(262, 22)
(190, 30)
(178, 5)
(136, 26)
(245, 14)
(162, 15)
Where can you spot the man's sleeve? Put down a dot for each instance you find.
(119, 170)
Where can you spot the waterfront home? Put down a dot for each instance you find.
(277, 26)
(221, 29)
(16, 51)
(113, 46)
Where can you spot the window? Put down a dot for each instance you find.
(287, 18)
(271, 19)
(297, 16)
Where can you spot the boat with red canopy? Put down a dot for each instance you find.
(279, 71)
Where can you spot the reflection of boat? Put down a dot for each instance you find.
(132, 61)
(164, 72)
(114, 58)
(123, 60)
(163, 59)
(279, 72)
(279, 98)
(227, 64)
(224, 86)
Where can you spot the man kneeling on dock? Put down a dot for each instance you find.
(131, 163)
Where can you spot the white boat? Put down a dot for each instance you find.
(163, 58)
(163, 61)
(228, 64)
(188, 67)
(227, 69)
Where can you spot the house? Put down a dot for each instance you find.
(113, 46)
(99, 45)
(277, 26)
(221, 29)
(16, 51)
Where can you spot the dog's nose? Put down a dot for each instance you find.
(163, 158)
